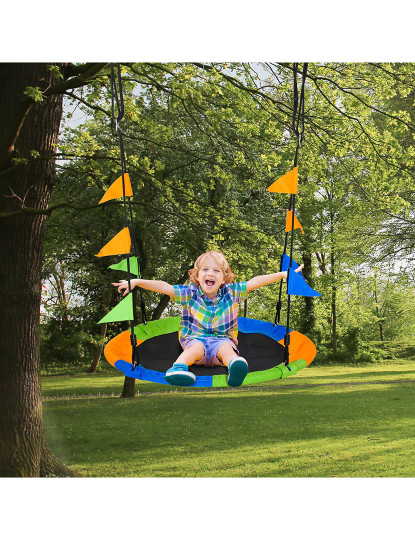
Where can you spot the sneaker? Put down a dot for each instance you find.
(237, 370)
(180, 375)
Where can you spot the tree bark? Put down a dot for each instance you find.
(165, 299)
(102, 332)
(27, 127)
(377, 309)
(128, 390)
(100, 348)
(308, 321)
(333, 306)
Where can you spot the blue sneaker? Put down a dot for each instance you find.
(237, 370)
(180, 375)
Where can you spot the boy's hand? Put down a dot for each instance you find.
(296, 271)
(123, 285)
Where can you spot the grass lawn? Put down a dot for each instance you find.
(300, 427)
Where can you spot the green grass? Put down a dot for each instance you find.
(111, 382)
(284, 428)
(395, 350)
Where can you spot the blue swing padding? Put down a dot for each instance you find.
(150, 375)
(254, 326)
(245, 325)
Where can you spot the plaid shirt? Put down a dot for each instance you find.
(203, 317)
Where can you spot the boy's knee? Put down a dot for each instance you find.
(224, 350)
(196, 350)
(225, 346)
(197, 346)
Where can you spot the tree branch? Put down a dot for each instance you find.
(75, 82)
(84, 102)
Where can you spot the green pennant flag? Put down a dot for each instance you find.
(122, 265)
(122, 311)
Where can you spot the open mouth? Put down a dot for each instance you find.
(209, 282)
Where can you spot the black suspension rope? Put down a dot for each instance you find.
(117, 102)
(297, 117)
(298, 131)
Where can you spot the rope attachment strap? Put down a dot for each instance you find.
(117, 114)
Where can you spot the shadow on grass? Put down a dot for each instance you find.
(367, 373)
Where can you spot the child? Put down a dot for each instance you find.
(209, 324)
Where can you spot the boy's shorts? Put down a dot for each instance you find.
(211, 346)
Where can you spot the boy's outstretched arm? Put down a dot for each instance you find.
(260, 281)
(150, 284)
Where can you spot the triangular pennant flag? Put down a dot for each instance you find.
(115, 190)
(298, 286)
(122, 311)
(289, 222)
(119, 245)
(122, 265)
(286, 265)
(286, 184)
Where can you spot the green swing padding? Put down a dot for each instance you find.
(157, 328)
(277, 372)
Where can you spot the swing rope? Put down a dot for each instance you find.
(117, 102)
(298, 130)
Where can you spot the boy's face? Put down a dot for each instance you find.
(210, 277)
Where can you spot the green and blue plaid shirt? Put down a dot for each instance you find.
(205, 317)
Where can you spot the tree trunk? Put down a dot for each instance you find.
(377, 309)
(165, 299)
(128, 390)
(161, 306)
(333, 306)
(102, 333)
(100, 348)
(333, 279)
(27, 127)
(309, 319)
(381, 332)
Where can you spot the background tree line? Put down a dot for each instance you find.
(203, 142)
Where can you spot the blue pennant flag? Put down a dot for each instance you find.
(286, 265)
(298, 286)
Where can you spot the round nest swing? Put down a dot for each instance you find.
(260, 342)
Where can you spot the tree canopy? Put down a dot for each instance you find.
(205, 140)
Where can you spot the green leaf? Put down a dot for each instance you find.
(56, 71)
(34, 93)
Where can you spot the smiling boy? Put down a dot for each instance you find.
(208, 329)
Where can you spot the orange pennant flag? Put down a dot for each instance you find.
(119, 245)
(115, 190)
(286, 184)
(289, 223)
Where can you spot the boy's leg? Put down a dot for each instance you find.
(226, 353)
(179, 374)
(237, 366)
(189, 356)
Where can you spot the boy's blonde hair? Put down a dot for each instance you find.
(220, 260)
